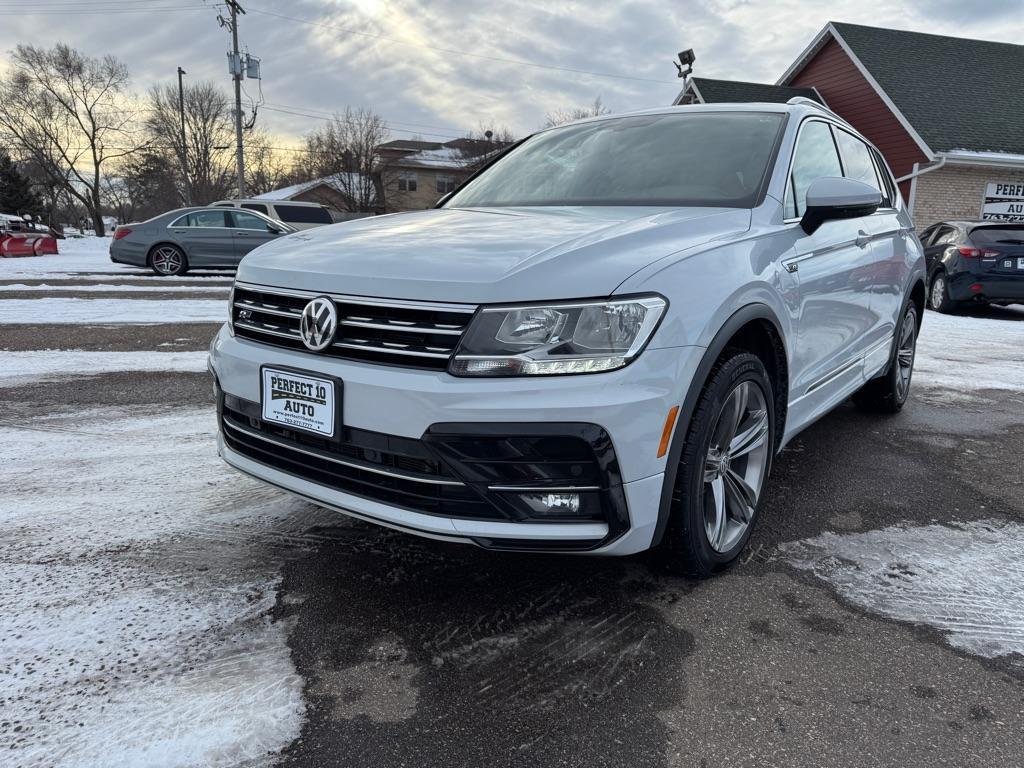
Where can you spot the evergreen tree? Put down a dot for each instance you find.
(16, 193)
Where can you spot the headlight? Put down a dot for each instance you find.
(574, 337)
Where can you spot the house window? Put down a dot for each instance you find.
(407, 181)
(445, 184)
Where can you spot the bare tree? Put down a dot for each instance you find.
(266, 166)
(344, 151)
(500, 135)
(560, 116)
(206, 170)
(69, 114)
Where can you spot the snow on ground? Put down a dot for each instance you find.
(961, 352)
(77, 256)
(49, 311)
(154, 287)
(85, 254)
(136, 578)
(965, 580)
(48, 365)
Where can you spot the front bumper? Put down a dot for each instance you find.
(629, 406)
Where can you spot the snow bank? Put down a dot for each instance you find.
(960, 352)
(49, 311)
(47, 365)
(137, 574)
(966, 580)
(154, 287)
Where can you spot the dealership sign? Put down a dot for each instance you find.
(1003, 202)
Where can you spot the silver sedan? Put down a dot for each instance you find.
(174, 242)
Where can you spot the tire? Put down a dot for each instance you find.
(168, 260)
(888, 392)
(712, 516)
(938, 294)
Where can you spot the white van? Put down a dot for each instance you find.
(294, 213)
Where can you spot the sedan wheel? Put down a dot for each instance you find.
(168, 260)
(734, 468)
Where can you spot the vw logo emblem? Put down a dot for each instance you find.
(318, 324)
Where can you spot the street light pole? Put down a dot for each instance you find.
(184, 142)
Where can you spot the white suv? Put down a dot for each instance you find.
(597, 344)
(295, 213)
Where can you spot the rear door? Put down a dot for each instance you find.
(833, 268)
(206, 238)
(249, 231)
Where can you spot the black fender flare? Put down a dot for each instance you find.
(729, 329)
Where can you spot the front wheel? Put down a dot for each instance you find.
(888, 392)
(168, 260)
(723, 468)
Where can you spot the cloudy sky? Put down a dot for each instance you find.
(439, 68)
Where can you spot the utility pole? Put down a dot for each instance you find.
(184, 143)
(236, 74)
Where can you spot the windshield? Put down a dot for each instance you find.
(677, 159)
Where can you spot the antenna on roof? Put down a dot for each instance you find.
(686, 59)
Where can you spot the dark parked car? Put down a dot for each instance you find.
(977, 261)
(174, 242)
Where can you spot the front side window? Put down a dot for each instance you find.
(682, 158)
(407, 181)
(815, 158)
(245, 220)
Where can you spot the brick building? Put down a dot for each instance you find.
(946, 112)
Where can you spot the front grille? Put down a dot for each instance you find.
(391, 332)
(392, 470)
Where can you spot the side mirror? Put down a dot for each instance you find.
(832, 198)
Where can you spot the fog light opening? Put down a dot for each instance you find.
(553, 504)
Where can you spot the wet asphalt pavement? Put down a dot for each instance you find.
(418, 653)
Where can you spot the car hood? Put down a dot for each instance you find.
(478, 255)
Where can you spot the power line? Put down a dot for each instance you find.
(99, 11)
(456, 52)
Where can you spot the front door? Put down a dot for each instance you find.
(249, 231)
(834, 270)
(205, 237)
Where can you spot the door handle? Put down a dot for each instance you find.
(863, 238)
(242, 234)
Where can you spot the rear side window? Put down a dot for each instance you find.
(202, 219)
(815, 158)
(303, 214)
(857, 162)
(889, 191)
(258, 207)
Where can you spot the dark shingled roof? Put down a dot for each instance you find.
(732, 91)
(957, 93)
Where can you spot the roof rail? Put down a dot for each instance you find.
(808, 102)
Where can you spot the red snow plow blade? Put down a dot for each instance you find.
(27, 244)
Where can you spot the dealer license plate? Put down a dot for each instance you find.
(299, 401)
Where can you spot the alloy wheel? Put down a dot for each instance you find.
(938, 292)
(905, 354)
(167, 260)
(735, 465)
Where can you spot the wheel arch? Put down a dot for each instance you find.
(754, 328)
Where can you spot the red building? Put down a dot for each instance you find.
(947, 113)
